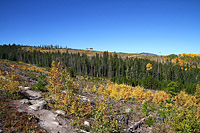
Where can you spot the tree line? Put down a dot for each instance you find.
(129, 71)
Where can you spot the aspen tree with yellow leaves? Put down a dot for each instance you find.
(55, 78)
(149, 66)
(60, 80)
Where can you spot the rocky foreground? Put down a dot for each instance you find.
(50, 120)
(36, 105)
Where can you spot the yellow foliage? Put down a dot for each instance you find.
(12, 65)
(138, 93)
(148, 95)
(94, 89)
(149, 66)
(160, 97)
(20, 62)
(56, 78)
(63, 86)
(118, 92)
(181, 68)
(185, 100)
(100, 90)
(9, 83)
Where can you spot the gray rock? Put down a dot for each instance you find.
(55, 123)
(49, 120)
(60, 112)
(26, 88)
(42, 103)
(20, 110)
(21, 87)
(24, 101)
(34, 107)
(38, 106)
(84, 98)
(86, 123)
(33, 101)
(32, 94)
(128, 110)
(46, 118)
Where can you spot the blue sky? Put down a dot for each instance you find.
(133, 26)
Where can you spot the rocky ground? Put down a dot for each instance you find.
(36, 105)
(53, 121)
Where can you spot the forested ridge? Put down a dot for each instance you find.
(131, 71)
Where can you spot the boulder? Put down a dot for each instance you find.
(24, 101)
(38, 106)
(26, 88)
(42, 103)
(20, 110)
(55, 123)
(60, 112)
(48, 119)
(32, 94)
(33, 101)
(86, 123)
(34, 107)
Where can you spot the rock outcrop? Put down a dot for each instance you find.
(48, 120)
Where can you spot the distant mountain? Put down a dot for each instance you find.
(143, 53)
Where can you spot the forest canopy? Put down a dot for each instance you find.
(132, 71)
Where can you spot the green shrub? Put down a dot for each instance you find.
(41, 86)
(185, 120)
(171, 88)
(150, 121)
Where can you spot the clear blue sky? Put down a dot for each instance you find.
(134, 26)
